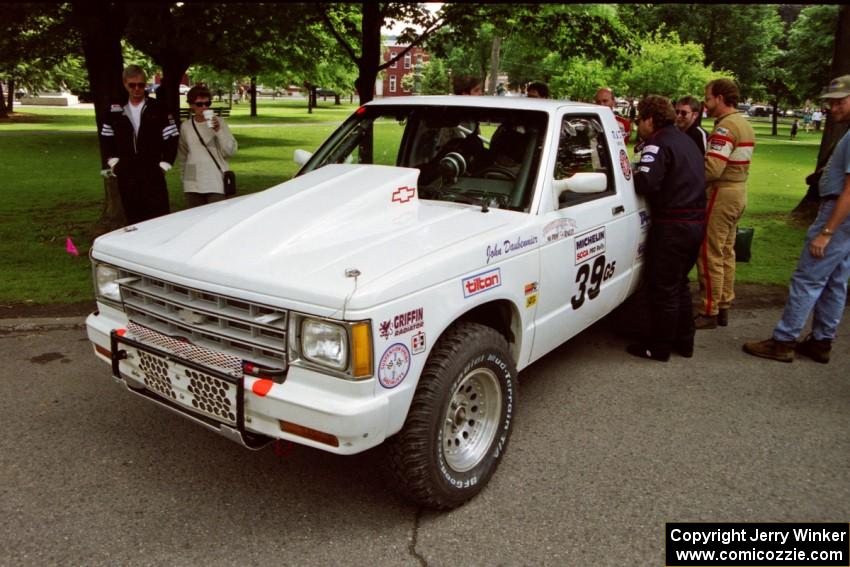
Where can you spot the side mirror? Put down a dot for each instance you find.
(301, 156)
(582, 183)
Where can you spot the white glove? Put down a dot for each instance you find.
(165, 166)
(111, 162)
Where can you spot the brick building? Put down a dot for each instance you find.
(393, 74)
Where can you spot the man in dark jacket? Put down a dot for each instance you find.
(141, 140)
(688, 118)
(671, 176)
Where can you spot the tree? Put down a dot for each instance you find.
(806, 209)
(737, 37)
(667, 67)
(361, 23)
(580, 78)
(435, 79)
(810, 38)
(34, 38)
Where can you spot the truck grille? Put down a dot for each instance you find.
(246, 330)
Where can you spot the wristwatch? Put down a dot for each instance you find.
(827, 232)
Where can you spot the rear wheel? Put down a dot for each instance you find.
(460, 420)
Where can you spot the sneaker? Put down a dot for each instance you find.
(723, 317)
(817, 350)
(783, 351)
(643, 351)
(705, 322)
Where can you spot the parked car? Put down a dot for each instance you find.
(760, 110)
(390, 292)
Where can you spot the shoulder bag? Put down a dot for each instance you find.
(228, 177)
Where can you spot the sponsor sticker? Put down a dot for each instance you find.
(650, 149)
(479, 283)
(531, 300)
(643, 169)
(641, 249)
(715, 145)
(647, 158)
(625, 165)
(558, 229)
(116, 108)
(403, 194)
(394, 365)
(530, 288)
(509, 246)
(722, 131)
(402, 323)
(417, 343)
(589, 245)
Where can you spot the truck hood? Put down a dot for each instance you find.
(294, 242)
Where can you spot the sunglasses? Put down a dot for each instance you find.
(682, 112)
(136, 85)
(203, 103)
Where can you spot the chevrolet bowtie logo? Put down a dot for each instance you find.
(403, 194)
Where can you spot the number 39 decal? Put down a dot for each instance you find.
(597, 274)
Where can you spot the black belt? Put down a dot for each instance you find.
(829, 198)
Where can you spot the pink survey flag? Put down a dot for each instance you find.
(70, 248)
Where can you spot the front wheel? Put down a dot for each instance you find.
(459, 421)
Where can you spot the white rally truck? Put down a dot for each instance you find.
(429, 250)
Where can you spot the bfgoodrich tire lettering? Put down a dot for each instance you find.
(459, 421)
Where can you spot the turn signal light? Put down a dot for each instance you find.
(308, 433)
(361, 350)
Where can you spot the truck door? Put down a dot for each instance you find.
(588, 240)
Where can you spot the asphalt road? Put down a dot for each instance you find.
(606, 449)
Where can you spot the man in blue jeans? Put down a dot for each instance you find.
(820, 280)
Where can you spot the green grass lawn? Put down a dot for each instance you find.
(50, 167)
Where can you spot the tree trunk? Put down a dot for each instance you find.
(101, 26)
(494, 65)
(806, 209)
(3, 112)
(168, 92)
(370, 51)
(11, 95)
(774, 118)
(253, 96)
(336, 98)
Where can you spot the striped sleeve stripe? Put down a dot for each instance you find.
(107, 134)
(720, 138)
(716, 155)
(741, 153)
(746, 144)
(169, 129)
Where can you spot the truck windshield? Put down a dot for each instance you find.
(464, 154)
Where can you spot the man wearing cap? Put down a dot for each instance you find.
(727, 166)
(820, 281)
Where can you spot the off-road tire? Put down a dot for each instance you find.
(460, 419)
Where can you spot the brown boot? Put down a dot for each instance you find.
(723, 317)
(817, 350)
(783, 351)
(705, 322)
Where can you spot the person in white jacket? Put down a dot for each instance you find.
(203, 167)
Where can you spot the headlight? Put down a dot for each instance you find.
(344, 348)
(324, 343)
(106, 282)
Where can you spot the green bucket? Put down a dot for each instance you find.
(744, 243)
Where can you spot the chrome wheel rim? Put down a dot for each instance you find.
(471, 420)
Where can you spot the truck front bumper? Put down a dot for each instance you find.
(308, 407)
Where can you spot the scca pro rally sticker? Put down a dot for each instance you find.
(625, 165)
(394, 365)
(590, 244)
